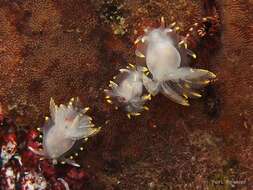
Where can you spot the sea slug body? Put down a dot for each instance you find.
(128, 91)
(63, 129)
(166, 57)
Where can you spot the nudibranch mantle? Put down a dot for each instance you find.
(165, 53)
(161, 51)
(128, 91)
(67, 125)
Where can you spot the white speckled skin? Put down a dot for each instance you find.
(66, 125)
(160, 48)
(128, 90)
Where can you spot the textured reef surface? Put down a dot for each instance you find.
(73, 48)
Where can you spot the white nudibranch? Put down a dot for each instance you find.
(165, 53)
(127, 91)
(63, 129)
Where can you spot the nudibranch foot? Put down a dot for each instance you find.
(180, 86)
(190, 74)
(173, 95)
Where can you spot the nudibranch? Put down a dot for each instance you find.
(166, 57)
(66, 125)
(128, 91)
